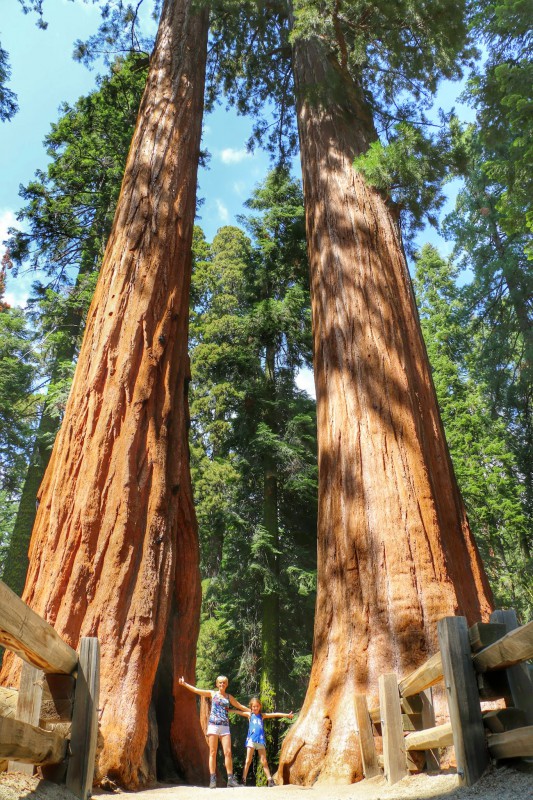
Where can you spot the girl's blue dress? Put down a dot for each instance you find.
(256, 732)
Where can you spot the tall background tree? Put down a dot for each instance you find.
(491, 229)
(18, 402)
(254, 459)
(481, 442)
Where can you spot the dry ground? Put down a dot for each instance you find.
(498, 784)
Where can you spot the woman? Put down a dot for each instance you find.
(218, 727)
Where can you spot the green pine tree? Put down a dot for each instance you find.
(485, 465)
(254, 440)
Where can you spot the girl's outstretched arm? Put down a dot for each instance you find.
(278, 715)
(236, 703)
(202, 692)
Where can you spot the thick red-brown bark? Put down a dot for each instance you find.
(395, 552)
(114, 551)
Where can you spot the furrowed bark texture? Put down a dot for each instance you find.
(114, 552)
(395, 552)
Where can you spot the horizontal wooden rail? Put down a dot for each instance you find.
(439, 736)
(428, 674)
(31, 638)
(517, 743)
(513, 648)
(24, 742)
(422, 678)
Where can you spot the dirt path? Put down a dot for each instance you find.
(501, 784)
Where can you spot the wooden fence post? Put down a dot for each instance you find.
(518, 677)
(28, 706)
(84, 731)
(471, 751)
(366, 738)
(394, 758)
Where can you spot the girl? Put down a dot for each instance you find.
(218, 726)
(256, 736)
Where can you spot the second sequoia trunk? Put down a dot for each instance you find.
(395, 552)
(114, 551)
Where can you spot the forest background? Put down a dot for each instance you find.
(253, 440)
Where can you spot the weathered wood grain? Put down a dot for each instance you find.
(84, 731)
(504, 719)
(28, 706)
(439, 736)
(8, 702)
(366, 738)
(30, 637)
(463, 700)
(519, 678)
(517, 743)
(24, 742)
(515, 647)
(422, 678)
(391, 726)
(484, 633)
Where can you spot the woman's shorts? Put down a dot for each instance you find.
(218, 730)
(255, 745)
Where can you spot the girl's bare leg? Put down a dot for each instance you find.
(249, 757)
(228, 759)
(264, 762)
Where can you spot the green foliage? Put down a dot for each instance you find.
(8, 99)
(18, 406)
(480, 441)
(410, 170)
(251, 429)
(397, 52)
(503, 98)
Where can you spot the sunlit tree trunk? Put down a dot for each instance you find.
(16, 562)
(114, 551)
(395, 552)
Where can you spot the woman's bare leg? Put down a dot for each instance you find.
(228, 758)
(213, 747)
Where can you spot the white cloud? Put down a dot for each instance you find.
(17, 290)
(7, 220)
(223, 212)
(231, 156)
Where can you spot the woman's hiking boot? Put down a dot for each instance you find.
(233, 782)
(270, 782)
(213, 782)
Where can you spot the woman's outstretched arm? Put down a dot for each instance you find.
(202, 692)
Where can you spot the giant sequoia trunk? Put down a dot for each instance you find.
(395, 552)
(114, 551)
(16, 560)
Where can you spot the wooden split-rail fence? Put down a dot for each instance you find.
(52, 720)
(484, 662)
